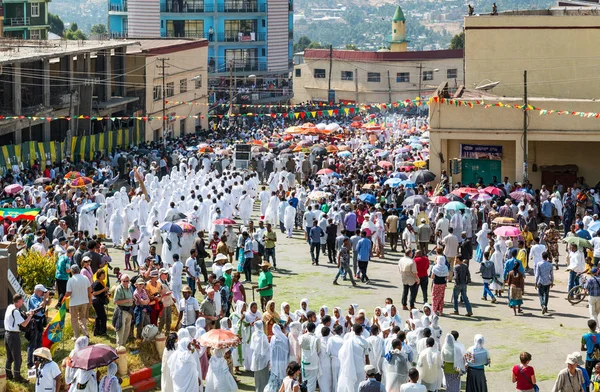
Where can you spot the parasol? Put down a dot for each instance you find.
(81, 182)
(420, 164)
(393, 182)
(317, 195)
(13, 188)
(356, 124)
(332, 148)
(192, 148)
(94, 356)
(205, 149)
(219, 339)
(371, 186)
(455, 206)
(174, 216)
(503, 220)
(325, 171)
(580, 242)
(439, 200)
(399, 175)
(367, 147)
(344, 154)
(258, 149)
(319, 150)
(422, 176)
(520, 195)
(507, 231)
(72, 175)
(88, 207)
(462, 192)
(481, 197)
(187, 227)
(417, 199)
(224, 221)
(368, 198)
(42, 180)
(171, 228)
(385, 164)
(332, 127)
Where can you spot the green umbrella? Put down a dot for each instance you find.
(580, 242)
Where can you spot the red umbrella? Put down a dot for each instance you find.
(14, 188)
(72, 175)
(520, 195)
(186, 226)
(440, 200)
(94, 356)
(385, 164)
(224, 221)
(205, 149)
(219, 338)
(325, 171)
(462, 192)
(356, 124)
(492, 190)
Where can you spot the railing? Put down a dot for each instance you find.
(231, 36)
(118, 7)
(118, 34)
(184, 34)
(17, 21)
(187, 7)
(239, 66)
(241, 6)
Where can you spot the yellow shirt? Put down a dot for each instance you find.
(522, 257)
(527, 237)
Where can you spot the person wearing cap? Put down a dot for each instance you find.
(571, 378)
(63, 269)
(371, 384)
(217, 267)
(154, 290)
(189, 309)
(227, 269)
(164, 322)
(208, 308)
(37, 304)
(79, 292)
(47, 373)
(123, 298)
(141, 312)
(265, 284)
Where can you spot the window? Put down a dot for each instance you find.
(170, 89)
(452, 73)
(182, 127)
(183, 86)
(402, 77)
(243, 59)
(298, 72)
(198, 82)
(240, 30)
(374, 77)
(427, 75)
(264, 23)
(35, 10)
(263, 52)
(347, 75)
(157, 92)
(319, 73)
(35, 34)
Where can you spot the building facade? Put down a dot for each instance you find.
(25, 19)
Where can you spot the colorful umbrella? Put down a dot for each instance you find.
(16, 214)
(94, 356)
(13, 188)
(385, 164)
(256, 142)
(368, 198)
(325, 171)
(462, 192)
(503, 220)
(219, 339)
(171, 227)
(317, 195)
(187, 227)
(580, 242)
(205, 149)
(72, 175)
(224, 221)
(81, 182)
(332, 148)
(344, 154)
(356, 124)
(420, 164)
(42, 180)
(439, 200)
(481, 197)
(520, 195)
(455, 206)
(507, 231)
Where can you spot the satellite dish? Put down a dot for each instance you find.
(487, 86)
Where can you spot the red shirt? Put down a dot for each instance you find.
(422, 263)
(523, 382)
(213, 247)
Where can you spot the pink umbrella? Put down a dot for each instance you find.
(492, 190)
(439, 200)
(325, 171)
(224, 221)
(507, 231)
(481, 197)
(14, 188)
(385, 164)
(94, 356)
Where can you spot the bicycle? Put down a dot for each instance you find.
(578, 293)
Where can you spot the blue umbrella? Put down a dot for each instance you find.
(402, 176)
(383, 154)
(455, 205)
(367, 147)
(88, 207)
(344, 154)
(171, 228)
(336, 175)
(192, 148)
(416, 146)
(393, 182)
(408, 184)
(594, 227)
(368, 198)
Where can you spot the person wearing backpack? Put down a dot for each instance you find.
(590, 343)
(14, 321)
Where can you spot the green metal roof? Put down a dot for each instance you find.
(399, 15)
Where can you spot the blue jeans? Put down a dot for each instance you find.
(192, 283)
(270, 254)
(315, 246)
(34, 343)
(544, 294)
(573, 280)
(343, 270)
(461, 290)
(487, 291)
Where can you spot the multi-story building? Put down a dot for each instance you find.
(25, 19)
(250, 41)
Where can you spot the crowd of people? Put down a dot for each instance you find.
(354, 196)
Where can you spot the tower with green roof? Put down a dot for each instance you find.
(398, 41)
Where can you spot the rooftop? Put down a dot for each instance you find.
(159, 46)
(588, 10)
(399, 15)
(355, 55)
(20, 51)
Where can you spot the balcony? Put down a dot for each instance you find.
(240, 66)
(241, 6)
(117, 7)
(17, 22)
(187, 7)
(184, 34)
(241, 37)
(118, 34)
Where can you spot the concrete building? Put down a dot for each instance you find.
(578, 3)
(53, 79)
(245, 37)
(557, 47)
(489, 140)
(25, 19)
(185, 81)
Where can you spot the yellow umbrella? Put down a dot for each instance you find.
(420, 164)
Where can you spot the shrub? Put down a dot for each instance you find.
(33, 268)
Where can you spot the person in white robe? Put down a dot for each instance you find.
(101, 218)
(294, 339)
(353, 356)
(238, 326)
(110, 382)
(80, 343)
(453, 353)
(395, 367)
(311, 348)
(377, 349)
(116, 228)
(280, 351)
(271, 215)
(289, 219)
(261, 356)
(218, 378)
(166, 381)
(482, 242)
(430, 365)
(326, 377)
(264, 197)
(244, 206)
(498, 259)
(184, 368)
(251, 317)
(84, 380)
(334, 344)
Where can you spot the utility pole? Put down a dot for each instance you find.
(525, 118)
(163, 96)
(389, 87)
(420, 78)
(230, 87)
(356, 85)
(329, 94)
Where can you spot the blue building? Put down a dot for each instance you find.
(250, 41)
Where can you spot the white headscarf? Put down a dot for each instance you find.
(200, 327)
(261, 350)
(80, 343)
(451, 353)
(477, 344)
(182, 365)
(85, 377)
(252, 316)
(110, 382)
(440, 268)
(224, 323)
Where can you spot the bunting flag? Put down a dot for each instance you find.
(16, 214)
(53, 333)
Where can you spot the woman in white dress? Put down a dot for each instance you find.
(218, 378)
(280, 349)
(286, 316)
(294, 339)
(261, 356)
(85, 381)
(251, 317)
(80, 343)
(110, 382)
(166, 381)
(498, 259)
(238, 323)
(184, 368)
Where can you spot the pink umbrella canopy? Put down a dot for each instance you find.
(94, 356)
(520, 195)
(187, 227)
(439, 200)
(481, 197)
(219, 338)
(14, 188)
(507, 231)
(384, 164)
(325, 171)
(492, 190)
(224, 221)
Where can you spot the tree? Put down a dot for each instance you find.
(315, 45)
(57, 26)
(351, 47)
(98, 29)
(75, 35)
(458, 41)
(74, 27)
(302, 44)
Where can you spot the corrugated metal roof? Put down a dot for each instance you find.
(356, 55)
